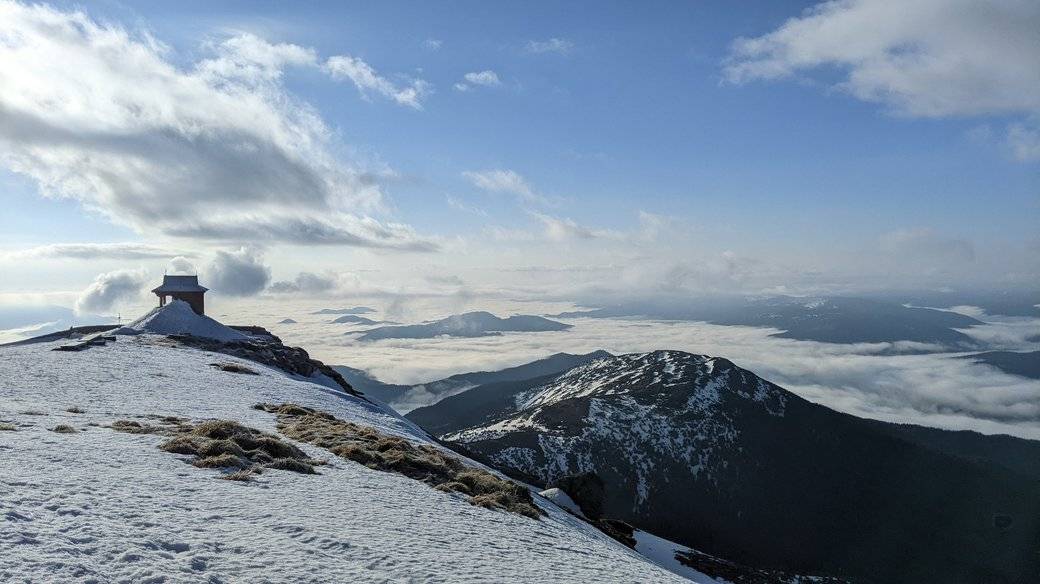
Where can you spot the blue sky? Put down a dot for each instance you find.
(603, 114)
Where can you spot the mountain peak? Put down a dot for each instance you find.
(700, 377)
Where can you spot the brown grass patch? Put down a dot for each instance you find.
(64, 429)
(224, 444)
(243, 475)
(378, 451)
(33, 413)
(234, 368)
(5, 427)
(76, 410)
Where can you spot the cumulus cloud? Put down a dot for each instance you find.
(306, 283)
(216, 150)
(926, 58)
(486, 78)
(553, 45)
(109, 289)
(365, 78)
(96, 251)
(181, 265)
(504, 181)
(238, 273)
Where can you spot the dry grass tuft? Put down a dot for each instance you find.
(132, 427)
(64, 429)
(376, 450)
(76, 410)
(6, 427)
(33, 413)
(292, 464)
(221, 461)
(224, 444)
(244, 475)
(234, 368)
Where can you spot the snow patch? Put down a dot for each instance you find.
(177, 318)
(662, 552)
(563, 500)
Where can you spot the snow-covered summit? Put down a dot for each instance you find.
(697, 376)
(177, 318)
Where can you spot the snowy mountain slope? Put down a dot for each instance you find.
(99, 505)
(708, 455)
(633, 427)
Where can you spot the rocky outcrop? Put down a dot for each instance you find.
(267, 349)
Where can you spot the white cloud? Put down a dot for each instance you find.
(504, 181)
(96, 251)
(486, 78)
(1024, 139)
(869, 380)
(553, 45)
(305, 283)
(181, 265)
(459, 205)
(652, 225)
(368, 81)
(926, 244)
(238, 273)
(109, 289)
(218, 150)
(926, 58)
(553, 229)
(445, 279)
(563, 228)
(249, 57)
(433, 44)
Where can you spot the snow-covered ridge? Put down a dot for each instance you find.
(649, 372)
(614, 375)
(99, 505)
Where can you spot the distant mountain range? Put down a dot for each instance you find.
(829, 320)
(470, 324)
(354, 310)
(404, 398)
(706, 454)
(1025, 364)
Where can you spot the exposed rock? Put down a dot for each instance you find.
(267, 349)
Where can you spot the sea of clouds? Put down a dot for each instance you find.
(899, 382)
